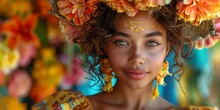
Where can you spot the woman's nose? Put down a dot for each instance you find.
(136, 57)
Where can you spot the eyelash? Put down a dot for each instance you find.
(123, 43)
(152, 43)
(119, 43)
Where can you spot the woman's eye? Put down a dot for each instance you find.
(121, 43)
(152, 43)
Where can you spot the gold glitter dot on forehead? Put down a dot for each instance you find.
(137, 27)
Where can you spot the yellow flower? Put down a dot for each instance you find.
(9, 58)
(51, 70)
(20, 7)
(131, 7)
(15, 7)
(10, 103)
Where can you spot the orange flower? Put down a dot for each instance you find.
(145, 4)
(131, 7)
(121, 5)
(36, 92)
(78, 11)
(196, 11)
(44, 7)
(19, 31)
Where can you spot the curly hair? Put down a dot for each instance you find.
(101, 28)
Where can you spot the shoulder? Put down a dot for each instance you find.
(64, 99)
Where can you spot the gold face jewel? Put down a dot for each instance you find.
(136, 26)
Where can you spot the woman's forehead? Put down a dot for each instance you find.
(140, 22)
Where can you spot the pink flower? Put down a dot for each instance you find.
(27, 53)
(19, 84)
(207, 42)
(71, 32)
(78, 11)
(211, 40)
(77, 74)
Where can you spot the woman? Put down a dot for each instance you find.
(130, 41)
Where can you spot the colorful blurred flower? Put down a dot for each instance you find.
(4, 5)
(9, 58)
(20, 8)
(21, 31)
(2, 78)
(15, 8)
(38, 92)
(51, 70)
(55, 37)
(196, 11)
(70, 32)
(78, 11)
(27, 53)
(43, 6)
(76, 75)
(10, 103)
(19, 84)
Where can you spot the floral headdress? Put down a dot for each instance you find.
(200, 17)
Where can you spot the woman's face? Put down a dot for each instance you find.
(137, 51)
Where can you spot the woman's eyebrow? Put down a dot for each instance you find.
(152, 34)
(122, 34)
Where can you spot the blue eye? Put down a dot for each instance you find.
(121, 43)
(152, 43)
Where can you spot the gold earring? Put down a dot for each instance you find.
(160, 78)
(107, 70)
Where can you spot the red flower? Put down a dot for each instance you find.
(19, 31)
(2, 79)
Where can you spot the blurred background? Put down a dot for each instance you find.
(36, 61)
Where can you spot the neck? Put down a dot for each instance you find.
(133, 98)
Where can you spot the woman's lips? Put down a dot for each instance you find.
(136, 74)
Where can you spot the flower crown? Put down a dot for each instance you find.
(199, 16)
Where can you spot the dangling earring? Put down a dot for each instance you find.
(160, 78)
(107, 70)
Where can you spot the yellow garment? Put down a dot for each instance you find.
(68, 100)
(64, 100)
